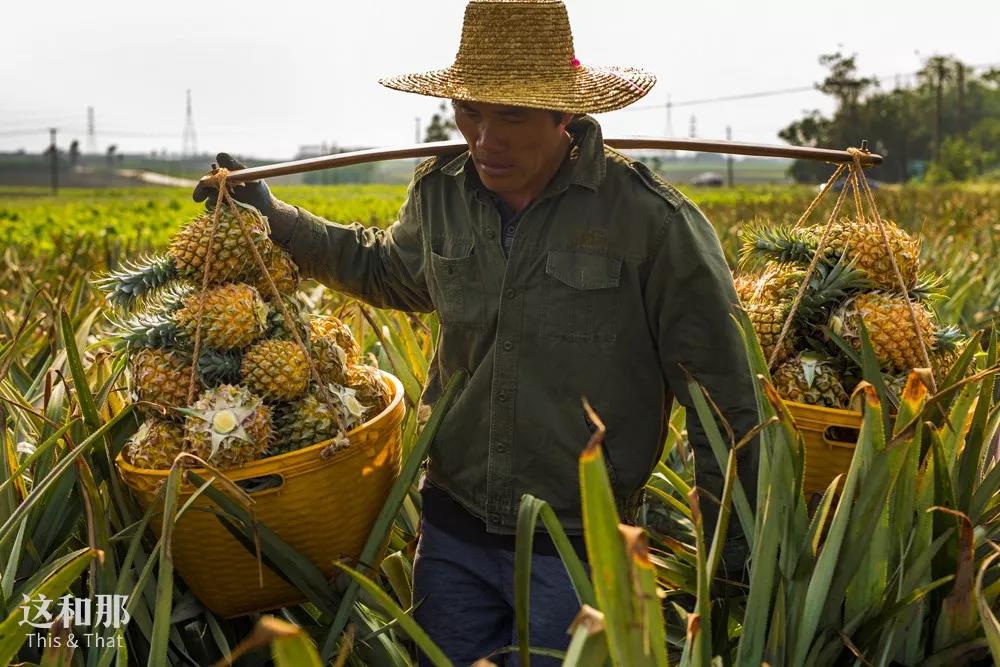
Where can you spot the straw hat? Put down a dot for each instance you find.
(520, 53)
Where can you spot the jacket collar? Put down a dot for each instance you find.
(586, 165)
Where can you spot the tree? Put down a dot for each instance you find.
(909, 127)
(441, 126)
(74, 153)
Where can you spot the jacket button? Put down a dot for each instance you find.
(502, 397)
(501, 448)
(450, 270)
(494, 519)
(508, 346)
(510, 293)
(490, 234)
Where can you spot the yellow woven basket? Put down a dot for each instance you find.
(324, 508)
(830, 436)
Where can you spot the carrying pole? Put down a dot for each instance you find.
(435, 148)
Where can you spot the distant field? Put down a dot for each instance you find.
(145, 217)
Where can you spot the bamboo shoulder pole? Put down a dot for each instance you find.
(435, 148)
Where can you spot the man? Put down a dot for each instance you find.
(558, 269)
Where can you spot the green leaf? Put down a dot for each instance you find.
(405, 621)
(83, 395)
(721, 452)
(991, 626)
(588, 646)
(12, 633)
(165, 576)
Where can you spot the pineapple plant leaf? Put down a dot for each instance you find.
(135, 280)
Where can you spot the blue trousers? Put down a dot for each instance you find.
(465, 598)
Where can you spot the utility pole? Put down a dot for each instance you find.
(939, 99)
(91, 132)
(670, 125)
(54, 155)
(189, 146)
(729, 158)
(960, 113)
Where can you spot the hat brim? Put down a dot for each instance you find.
(583, 90)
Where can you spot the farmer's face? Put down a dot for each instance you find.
(516, 150)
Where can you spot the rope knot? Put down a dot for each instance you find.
(218, 177)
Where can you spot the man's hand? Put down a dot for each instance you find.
(254, 193)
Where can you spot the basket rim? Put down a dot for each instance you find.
(821, 409)
(262, 466)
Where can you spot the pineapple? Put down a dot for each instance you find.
(371, 390)
(775, 291)
(887, 319)
(160, 377)
(746, 287)
(808, 378)
(217, 368)
(228, 426)
(330, 326)
(276, 369)
(233, 316)
(767, 320)
(331, 359)
(278, 328)
(861, 241)
(284, 272)
(231, 258)
(778, 281)
(302, 423)
(155, 445)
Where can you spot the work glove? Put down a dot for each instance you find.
(281, 216)
(254, 193)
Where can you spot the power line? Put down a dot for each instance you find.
(772, 93)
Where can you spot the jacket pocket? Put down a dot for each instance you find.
(581, 295)
(457, 289)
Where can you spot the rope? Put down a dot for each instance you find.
(820, 245)
(822, 193)
(858, 169)
(857, 182)
(209, 255)
(218, 177)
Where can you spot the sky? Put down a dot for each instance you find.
(268, 77)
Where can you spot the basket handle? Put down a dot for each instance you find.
(837, 436)
(255, 485)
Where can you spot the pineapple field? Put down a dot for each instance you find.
(141, 371)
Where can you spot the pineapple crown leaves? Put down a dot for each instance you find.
(929, 287)
(760, 242)
(126, 286)
(345, 400)
(145, 329)
(949, 338)
(829, 285)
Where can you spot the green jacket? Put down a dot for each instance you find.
(615, 281)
